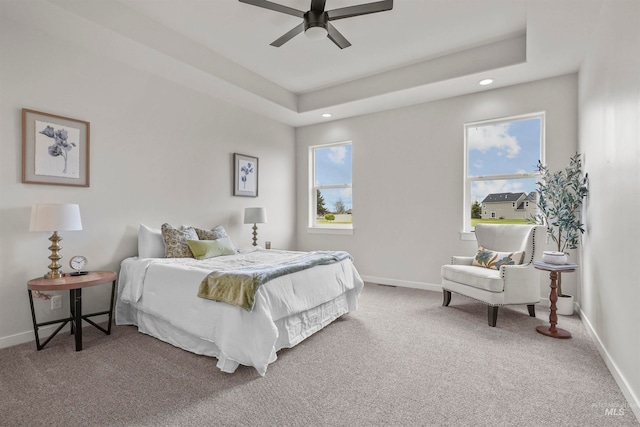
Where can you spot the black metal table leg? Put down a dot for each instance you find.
(72, 309)
(36, 325)
(113, 297)
(77, 303)
(33, 318)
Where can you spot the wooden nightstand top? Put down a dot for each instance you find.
(71, 282)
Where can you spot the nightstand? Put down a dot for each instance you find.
(74, 284)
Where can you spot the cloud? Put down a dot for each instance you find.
(484, 138)
(337, 154)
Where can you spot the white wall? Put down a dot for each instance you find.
(609, 105)
(160, 152)
(408, 177)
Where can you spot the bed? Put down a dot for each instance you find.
(159, 295)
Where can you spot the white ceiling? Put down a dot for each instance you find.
(420, 51)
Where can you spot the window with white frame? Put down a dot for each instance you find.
(330, 198)
(501, 158)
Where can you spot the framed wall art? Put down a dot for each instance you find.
(245, 175)
(55, 149)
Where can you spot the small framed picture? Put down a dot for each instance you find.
(55, 149)
(245, 175)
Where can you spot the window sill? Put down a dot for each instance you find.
(330, 230)
(467, 235)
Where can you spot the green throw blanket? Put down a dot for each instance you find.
(239, 286)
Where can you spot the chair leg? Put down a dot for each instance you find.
(532, 310)
(446, 295)
(492, 314)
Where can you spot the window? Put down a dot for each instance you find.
(330, 198)
(501, 158)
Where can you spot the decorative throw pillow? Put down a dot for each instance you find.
(213, 234)
(493, 259)
(175, 241)
(203, 249)
(150, 242)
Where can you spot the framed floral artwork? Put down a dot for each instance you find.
(245, 175)
(55, 149)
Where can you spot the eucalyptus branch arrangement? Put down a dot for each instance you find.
(560, 196)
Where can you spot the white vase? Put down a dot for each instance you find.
(554, 257)
(564, 305)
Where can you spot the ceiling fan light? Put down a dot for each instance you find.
(315, 33)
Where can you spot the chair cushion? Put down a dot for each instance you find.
(494, 259)
(477, 277)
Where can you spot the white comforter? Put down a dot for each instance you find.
(166, 289)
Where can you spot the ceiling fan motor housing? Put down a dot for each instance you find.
(313, 19)
(315, 24)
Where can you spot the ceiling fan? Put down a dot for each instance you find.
(316, 21)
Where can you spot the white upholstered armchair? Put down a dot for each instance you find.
(502, 272)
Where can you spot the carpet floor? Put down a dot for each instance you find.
(402, 360)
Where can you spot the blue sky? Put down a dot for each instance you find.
(503, 148)
(333, 166)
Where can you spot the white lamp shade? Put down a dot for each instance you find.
(55, 217)
(255, 216)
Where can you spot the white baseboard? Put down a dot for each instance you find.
(403, 283)
(632, 399)
(43, 332)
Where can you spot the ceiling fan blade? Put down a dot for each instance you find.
(289, 35)
(318, 5)
(275, 6)
(335, 36)
(361, 9)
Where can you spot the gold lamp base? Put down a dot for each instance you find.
(255, 235)
(55, 247)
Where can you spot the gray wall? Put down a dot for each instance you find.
(408, 177)
(610, 138)
(160, 152)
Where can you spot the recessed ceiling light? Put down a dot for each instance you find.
(326, 115)
(485, 82)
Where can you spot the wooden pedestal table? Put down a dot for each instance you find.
(553, 269)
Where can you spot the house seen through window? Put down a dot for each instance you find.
(501, 169)
(331, 192)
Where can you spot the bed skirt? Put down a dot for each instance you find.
(291, 330)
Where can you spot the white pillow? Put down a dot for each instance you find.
(150, 242)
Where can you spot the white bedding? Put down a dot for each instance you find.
(159, 295)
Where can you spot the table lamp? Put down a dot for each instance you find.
(55, 217)
(255, 216)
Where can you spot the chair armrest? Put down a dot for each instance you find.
(521, 283)
(514, 271)
(461, 260)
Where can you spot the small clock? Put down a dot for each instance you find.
(78, 263)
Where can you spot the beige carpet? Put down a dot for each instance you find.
(401, 359)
